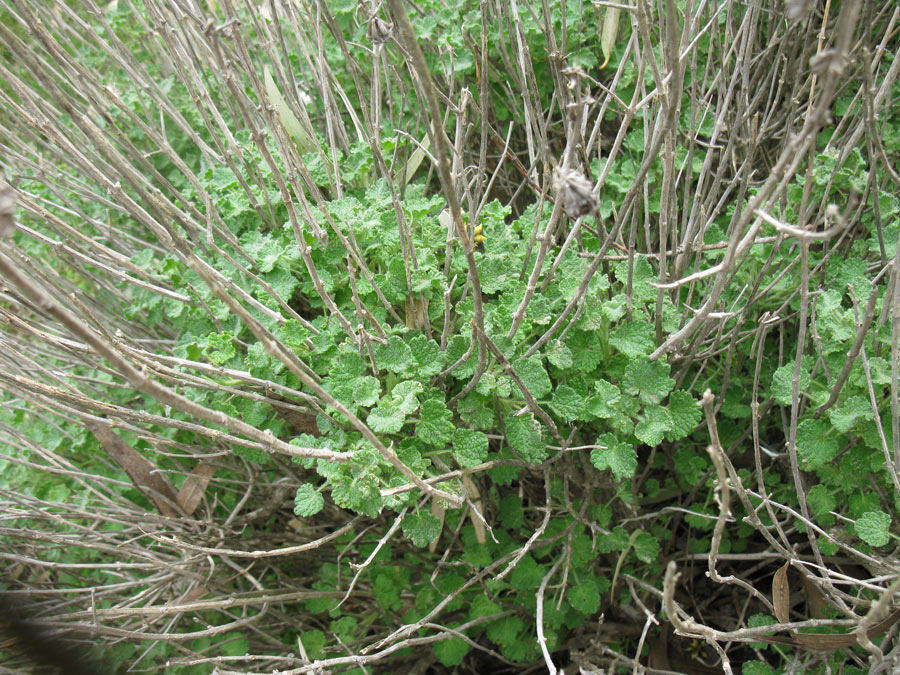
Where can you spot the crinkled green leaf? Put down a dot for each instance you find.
(633, 339)
(642, 275)
(435, 426)
(690, 464)
(655, 423)
(395, 356)
(427, 354)
(648, 379)
(533, 375)
(527, 574)
(560, 355)
(782, 383)
(820, 500)
(386, 419)
(853, 409)
(525, 438)
(220, 347)
(452, 651)
(308, 501)
(505, 630)
(568, 403)
(646, 547)
(366, 390)
(603, 403)
(585, 596)
(586, 350)
(815, 444)
(404, 395)
(615, 455)
(469, 447)
(873, 527)
(421, 528)
(685, 412)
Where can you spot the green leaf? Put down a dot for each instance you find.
(815, 445)
(404, 395)
(853, 409)
(506, 630)
(428, 356)
(690, 465)
(586, 350)
(642, 272)
(511, 512)
(560, 355)
(646, 547)
(633, 339)
(533, 375)
(527, 575)
(782, 383)
(656, 421)
(469, 447)
(615, 455)
(648, 379)
(820, 500)
(220, 347)
(313, 642)
(525, 438)
(873, 526)
(603, 403)
(452, 651)
(685, 412)
(308, 501)
(366, 390)
(568, 403)
(386, 419)
(421, 528)
(435, 426)
(756, 668)
(585, 596)
(396, 356)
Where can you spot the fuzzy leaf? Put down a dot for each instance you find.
(646, 547)
(568, 403)
(421, 528)
(656, 422)
(525, 438)
(220, 347)
(308, 501)
(469, 447)
(617, 456)
(603, 403)
(585, 596)
(685, 412)
(395, 356)
(782, 383)
(815, 445)
(633, 339)
(648, 379)
(533, 375)
(872, 527)
(435, 426)
(428, 356)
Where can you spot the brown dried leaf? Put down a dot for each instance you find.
(145, 476)
(815, 601)
(194, 487)
(781, 594)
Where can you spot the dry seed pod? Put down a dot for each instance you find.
(574, 192)
(379, 30)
